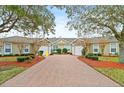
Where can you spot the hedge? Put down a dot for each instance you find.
(65, 50)
(58, 51)
(21, 59)
(93, 56)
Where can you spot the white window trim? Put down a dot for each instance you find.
(28, 49)
(5, 48)
(111, 47)
(94, 48)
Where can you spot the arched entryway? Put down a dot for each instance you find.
(77, 46)
(74, 45)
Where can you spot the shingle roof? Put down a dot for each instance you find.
(107, 39)
(19, 39)
(55, 39)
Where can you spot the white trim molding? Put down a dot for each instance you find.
(10, 48)
(113, 47)
(96, 46)
(26, 46)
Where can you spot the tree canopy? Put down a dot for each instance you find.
(26, 19)
(97, 19)
(103, 20)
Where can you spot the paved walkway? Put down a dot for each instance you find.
(60, 70)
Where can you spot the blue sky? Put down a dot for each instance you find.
(61, 30)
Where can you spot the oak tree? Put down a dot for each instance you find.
(26, 19)
(105, 20)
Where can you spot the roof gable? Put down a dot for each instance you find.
(19, 39)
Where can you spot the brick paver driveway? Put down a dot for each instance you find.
(60, 70)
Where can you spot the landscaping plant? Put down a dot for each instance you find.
(40, 53)
(22, 59)
(103, 20)
(65, 50)
(93, 56)
(58, 51)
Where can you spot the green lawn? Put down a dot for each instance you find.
(113, 73)
(9, 59)
(4, 59)
(8, 72)
(113, 59)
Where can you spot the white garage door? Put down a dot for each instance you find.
(77, 50)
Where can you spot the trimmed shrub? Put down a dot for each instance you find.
(93, 56)
(58, 51)
(21, 59)
(89, 54)
(65, 50)
(40, 53)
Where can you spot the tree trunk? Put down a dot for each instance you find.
(20, 52)
(35, 49)
(121, 50)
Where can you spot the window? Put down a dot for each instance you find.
(55, 47)
(26, 48)
(8, 48)
(113, 48)
(95, 48)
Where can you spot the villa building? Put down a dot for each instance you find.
(17, 45)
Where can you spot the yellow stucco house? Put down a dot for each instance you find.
(17, 45)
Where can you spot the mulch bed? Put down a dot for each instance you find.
(22, 64)
(101, 64)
